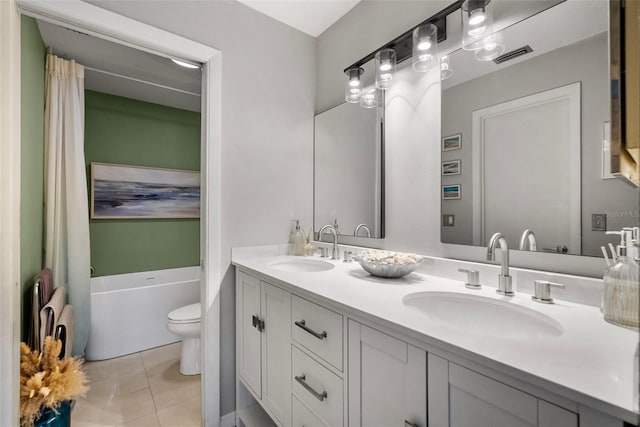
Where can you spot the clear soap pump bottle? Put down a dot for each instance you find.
(620, 299)
(298, 240)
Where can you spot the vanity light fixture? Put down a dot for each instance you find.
(492, 47)
(445, 68)
(424, 47)
(353, 88)
(420, 42)
(185, 64)
(385, 68)
(477, 23)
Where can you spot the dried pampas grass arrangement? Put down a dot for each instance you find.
(46, 381)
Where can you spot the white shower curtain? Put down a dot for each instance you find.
(67, 250)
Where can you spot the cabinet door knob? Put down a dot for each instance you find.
(320, 396)
(409, 424)
(257, 323)
(302, 324)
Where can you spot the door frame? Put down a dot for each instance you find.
(570, 92)
(101, 23)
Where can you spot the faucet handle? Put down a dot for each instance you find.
(473, 278)
(542, 291)
(324, 252)
(348, 256)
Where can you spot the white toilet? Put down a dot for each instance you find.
(185, 322)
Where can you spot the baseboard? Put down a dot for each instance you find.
(228, 420)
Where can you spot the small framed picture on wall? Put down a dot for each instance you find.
(452, 142)
(451, 192)
(451, 167)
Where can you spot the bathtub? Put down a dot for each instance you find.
(129, 311)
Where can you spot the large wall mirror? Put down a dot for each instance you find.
(349, 171)
(526, 141)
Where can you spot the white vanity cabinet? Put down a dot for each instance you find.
(387, 380)
(460, 397)
(263, 344)
(306, 361)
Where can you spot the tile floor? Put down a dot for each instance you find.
(143, 390)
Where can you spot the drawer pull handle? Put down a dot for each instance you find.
(320, 396)
(409, 424)
(302, 324)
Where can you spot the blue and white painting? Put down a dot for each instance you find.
(120, 191)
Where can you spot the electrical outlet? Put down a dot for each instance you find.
(598, 222)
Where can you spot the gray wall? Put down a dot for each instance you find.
(268, 78)
(585, 62)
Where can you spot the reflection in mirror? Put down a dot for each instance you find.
(524, 140)
(348, 171)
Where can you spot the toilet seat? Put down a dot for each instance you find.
(187, 314)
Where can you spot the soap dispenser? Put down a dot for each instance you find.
(298, 240)
(620, 299)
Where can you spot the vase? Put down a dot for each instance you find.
(60, 417)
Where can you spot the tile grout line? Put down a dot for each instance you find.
(146, 374)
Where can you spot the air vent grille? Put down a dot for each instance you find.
(513, 54)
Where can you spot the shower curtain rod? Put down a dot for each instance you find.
(141, 81)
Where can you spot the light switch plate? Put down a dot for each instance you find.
(448, 220)
(598, 222)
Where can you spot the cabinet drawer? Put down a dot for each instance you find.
(316, 386)
(303, 417)
(318, 329)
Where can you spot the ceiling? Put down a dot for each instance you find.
(123, 71)
(309, 16)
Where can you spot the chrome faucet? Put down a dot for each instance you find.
(504, 280)
(529, 237)
(358, 227)
(334, 254)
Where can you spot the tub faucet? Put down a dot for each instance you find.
(504, 280)
(529, 237)
(334, 254)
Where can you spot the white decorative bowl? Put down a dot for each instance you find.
(388, 266)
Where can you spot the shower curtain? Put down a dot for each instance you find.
(67, 250)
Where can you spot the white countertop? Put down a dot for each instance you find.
(591, 361)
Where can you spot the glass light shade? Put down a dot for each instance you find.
(445, 68)
(492, 47)
(425, 42)
(477, 23)
(370, 98)
(385, 68)
(353, 87)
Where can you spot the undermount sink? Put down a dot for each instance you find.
(483, 316)
(301, 265)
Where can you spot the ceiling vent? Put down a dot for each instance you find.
(513, 54)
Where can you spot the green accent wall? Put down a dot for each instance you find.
(33, 53)
(130, 132)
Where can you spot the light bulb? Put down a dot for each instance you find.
(352, 88)
(477, 17)
(424, 45)
(385, 67)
